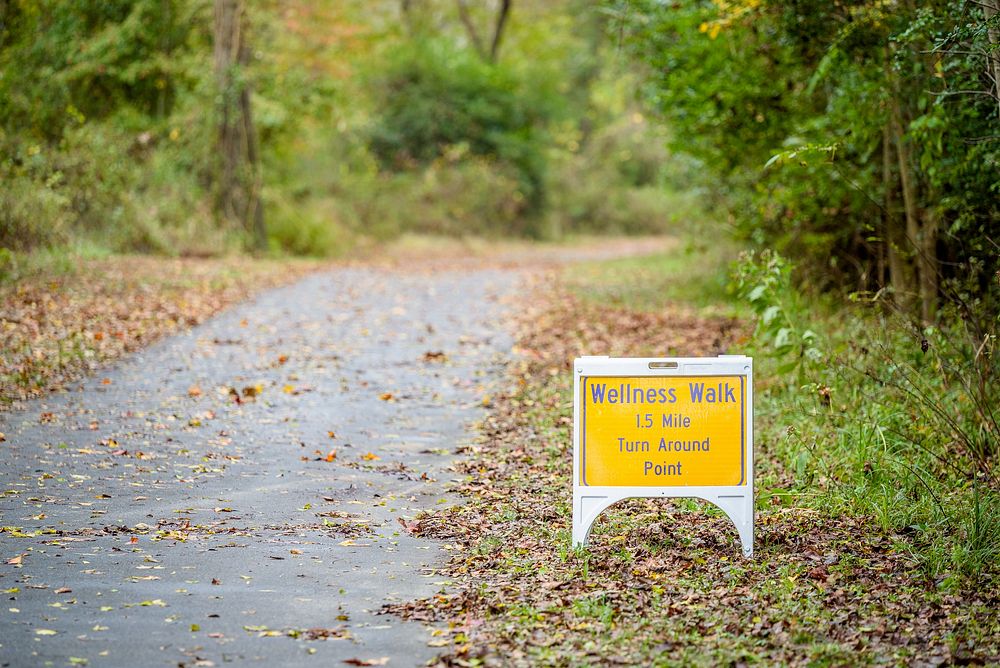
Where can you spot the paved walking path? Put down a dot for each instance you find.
(180, 509)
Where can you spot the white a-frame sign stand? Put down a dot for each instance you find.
(663, 427)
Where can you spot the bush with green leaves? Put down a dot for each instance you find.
(434, 98)
(878, 124)
(874, 414)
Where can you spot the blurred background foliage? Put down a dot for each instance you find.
(859, 137)
(373, 118)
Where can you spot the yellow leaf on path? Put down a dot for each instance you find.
(350, 543)
(370, 457)
(44, 632)
(288, 389)
(387, 396)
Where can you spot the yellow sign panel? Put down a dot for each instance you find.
(663, 431)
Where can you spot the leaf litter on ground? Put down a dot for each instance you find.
(663, 581)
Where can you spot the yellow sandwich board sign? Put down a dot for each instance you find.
(663, 427)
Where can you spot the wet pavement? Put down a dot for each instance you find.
(233, 494)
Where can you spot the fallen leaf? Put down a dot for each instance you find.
(194, 391)
(387, 396)
(252, 391)
(45, 632)
(370, 457)
(367, 662)
(330, 456)
(411, 527)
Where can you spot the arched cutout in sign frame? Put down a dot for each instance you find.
(663, 427)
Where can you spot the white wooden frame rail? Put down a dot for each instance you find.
(737, 502)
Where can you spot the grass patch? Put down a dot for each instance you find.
(689, 273)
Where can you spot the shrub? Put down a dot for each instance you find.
(894, 420)
(433, 97)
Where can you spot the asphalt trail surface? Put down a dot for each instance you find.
(233, 494)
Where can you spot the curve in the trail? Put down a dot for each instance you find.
(232, 494)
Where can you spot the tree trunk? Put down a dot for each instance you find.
(470, 28)
(921, 226)
(503, 13)
(239, 173)
(928, 264)
(498, 30)
(900, 271)
(990, 10)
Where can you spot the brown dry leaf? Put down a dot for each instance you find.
(387, 396)
(367, 662)
(63, 590)
(411, 527)
(252, 391)
(194, 391)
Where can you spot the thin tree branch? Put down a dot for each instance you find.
(470, 27)
(498, 31)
